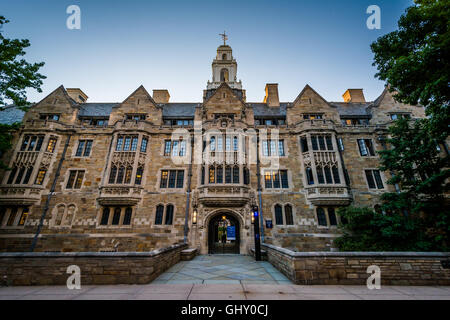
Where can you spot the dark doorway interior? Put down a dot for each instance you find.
(223, 235)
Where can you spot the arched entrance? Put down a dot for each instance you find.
(223, 234)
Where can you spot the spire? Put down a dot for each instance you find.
(224, 67)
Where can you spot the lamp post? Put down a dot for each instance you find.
(194, 216)
(255, 217)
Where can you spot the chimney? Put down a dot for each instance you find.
(161, 95)
(354, 95)
(77, 95)
(271, 98)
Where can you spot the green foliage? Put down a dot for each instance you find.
(6, 131)
(367, 230)
(16, 75)
(414, 61)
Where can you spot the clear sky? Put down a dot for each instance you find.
(170, 45)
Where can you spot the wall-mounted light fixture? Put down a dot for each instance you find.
(194, 216)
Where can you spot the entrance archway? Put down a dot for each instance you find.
(223, 234)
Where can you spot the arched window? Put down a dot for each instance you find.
(212, 174)
(224, 75)
(224, 56)
(120, 174)
(235, 174)
(219, 174)
(59, 214)
(320, 177)
(212, 144)
(278, 214)
(127, 216)
(336, 177)
(235, 144)
(328, 175)
(169, 214)
(288, 215)
(105, 217)
(116, 216)
(246, 176)
(309, 176)
(139, 173)
(321, 218)
(332, 217)
(203, 175)
(228, 174)
(112, 174)
(159, 214)
(69, 216)
(128, 173)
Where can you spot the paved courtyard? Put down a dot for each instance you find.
(222, 269)
(223, 292)
(223, 277)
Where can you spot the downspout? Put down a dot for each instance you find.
(49, 197)
(258, 175)
(188, 193)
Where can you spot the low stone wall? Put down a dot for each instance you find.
(40, 268)
(326, 268)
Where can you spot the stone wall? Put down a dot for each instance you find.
(96, 267)
(350, 268)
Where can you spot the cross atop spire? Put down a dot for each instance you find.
(224, 37)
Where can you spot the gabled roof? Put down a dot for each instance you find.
(304, 89)
(141, 87)
(224, 85)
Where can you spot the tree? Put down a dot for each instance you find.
(16, 75)
(367, 230)
(414, 62)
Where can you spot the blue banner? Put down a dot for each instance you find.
(231, 233)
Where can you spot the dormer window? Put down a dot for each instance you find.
(179, 122)
(54, 117)
(396, 116)
(270, 122)
(136, 117)
(312, 116)
(354, 121)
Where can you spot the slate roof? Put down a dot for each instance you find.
(96, 109)
(186, 110)
(11, 114)
(179, 110)
(262, 110)
(352, 109)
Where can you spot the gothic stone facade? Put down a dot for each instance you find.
(129, 176)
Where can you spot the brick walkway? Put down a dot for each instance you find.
(222, 269)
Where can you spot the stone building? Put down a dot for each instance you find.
(145, 173)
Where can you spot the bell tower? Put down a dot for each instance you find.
(224, 67)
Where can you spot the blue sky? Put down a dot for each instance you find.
(171, 44)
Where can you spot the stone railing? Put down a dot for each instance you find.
(19, 195)
(120, 195)
(224, 195)
(326, 268)
(328, 195)
(41, 268)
